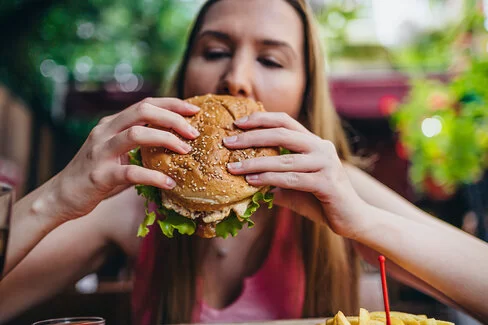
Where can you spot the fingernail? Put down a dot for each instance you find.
(170, 182)
(235, 165)
(231, 139)
(192, 107)
(242, 120)
(252, 177)
(193, 131)
(186, 147)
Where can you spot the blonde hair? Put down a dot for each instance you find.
(331, 267)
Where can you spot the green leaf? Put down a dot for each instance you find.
(255, 203)
(150, 193)
(148, 221)
(284, 151)
(185, 226)
(231, 226)
(135, 157)
(175, 221)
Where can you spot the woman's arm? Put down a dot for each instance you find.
(313, 182)
(99, 171)
(33, 217)
(71, 251)
(429, 254)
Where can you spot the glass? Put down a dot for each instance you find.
(73, 321)
(6, 199)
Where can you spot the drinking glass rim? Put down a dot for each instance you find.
(65, 320)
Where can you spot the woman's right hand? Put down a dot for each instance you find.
(100, 169)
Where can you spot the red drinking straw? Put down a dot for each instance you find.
(381, 258)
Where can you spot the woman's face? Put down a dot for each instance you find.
(250, 48)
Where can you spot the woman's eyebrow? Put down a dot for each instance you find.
(278, 43)
(215, 34)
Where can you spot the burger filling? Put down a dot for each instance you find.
(171, 217)
(207, 216)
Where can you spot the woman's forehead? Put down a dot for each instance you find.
(256, 20)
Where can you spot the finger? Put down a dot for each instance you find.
(132, 174)
(306, 182)
(146, 113)
(173, 104)
(289, 139)
(108, 118)
(284, 163)
(143, 136)
(271, 120)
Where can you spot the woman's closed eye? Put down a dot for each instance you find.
(216, 54)
(269, 62)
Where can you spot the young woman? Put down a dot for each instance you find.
(297, 261)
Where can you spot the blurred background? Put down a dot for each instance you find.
(408, 77)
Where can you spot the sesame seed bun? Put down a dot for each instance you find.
(205, 189)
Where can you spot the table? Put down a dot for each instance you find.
(307, 321)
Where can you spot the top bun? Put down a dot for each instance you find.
(203, 181)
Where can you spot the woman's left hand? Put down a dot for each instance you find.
(311, 181)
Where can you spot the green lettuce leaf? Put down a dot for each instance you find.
(231, 226)
(148, 221)
(185, 226)
(150, 193)
(135, 157)
(174, 220)
(284, 151)
(255, 203)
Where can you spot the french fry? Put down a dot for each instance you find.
(341, 319)
(394, 320)
(429, 321)
(363, 317)
(408, 319)
(353, 320)
(379, 318)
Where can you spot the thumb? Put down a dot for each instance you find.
(302, 203)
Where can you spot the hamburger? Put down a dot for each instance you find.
(207, 199)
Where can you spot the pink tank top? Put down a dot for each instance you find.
(275, 291)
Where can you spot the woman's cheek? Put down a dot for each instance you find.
(289, 99)
(201, 78)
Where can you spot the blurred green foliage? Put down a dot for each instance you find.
(444, 129)
(92, 44)
(91, 38)
(439, 50)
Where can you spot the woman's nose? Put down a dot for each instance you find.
(237, 80)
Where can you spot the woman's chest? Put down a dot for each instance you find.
(228, 262)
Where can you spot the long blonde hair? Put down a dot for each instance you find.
(330, 263)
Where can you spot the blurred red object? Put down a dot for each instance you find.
(436, 191)
(368, 97)
(371, 96)
(401, 151)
